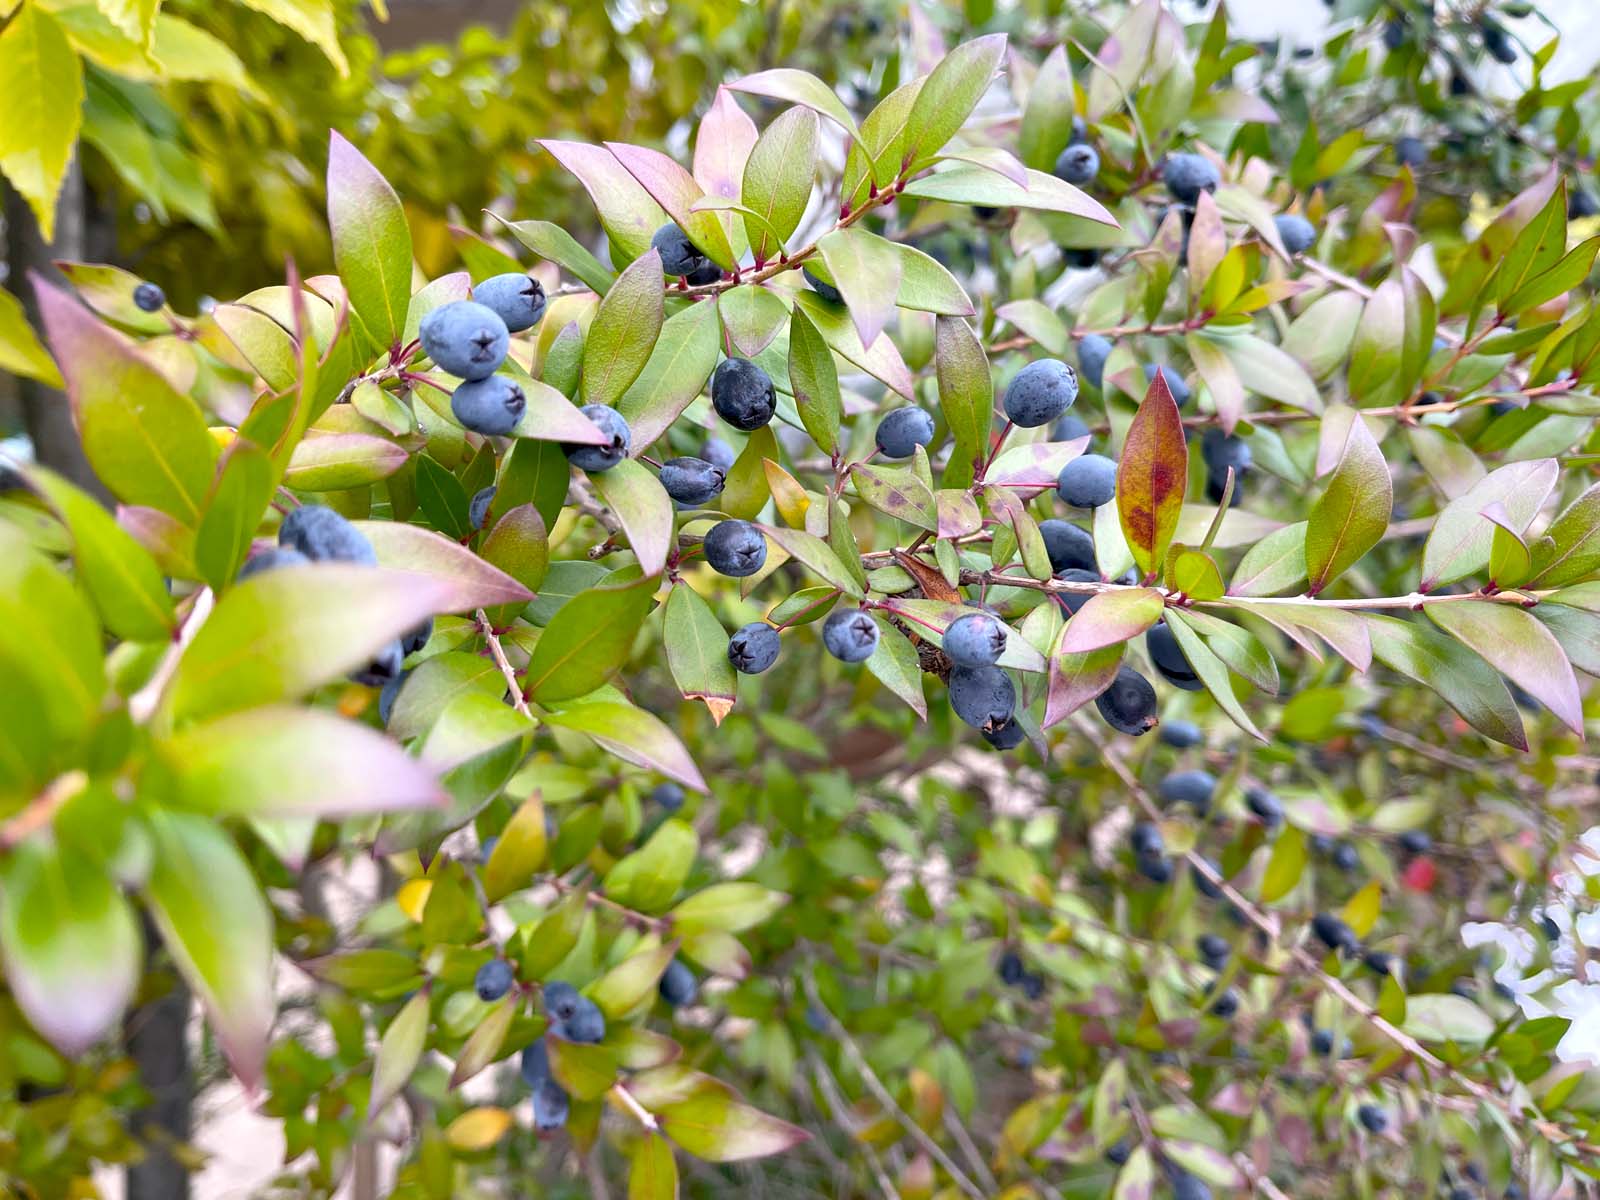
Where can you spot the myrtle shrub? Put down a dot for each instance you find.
(1015, 690)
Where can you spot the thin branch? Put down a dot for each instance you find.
(829, 1087)
(621, 1096)
(968, 1150)
(498, 653)
(41, 810)
(142, 704)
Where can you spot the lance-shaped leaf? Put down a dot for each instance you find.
(634, 736)
(977, 185)
(337, 462)
(875, 157)
(866, 270)
(815, 380)
(620, 990)
(966, 396)
(697, 651)
(551, 417)
(629, 214)
(677, 191)
(1152, 476)
(1243, 653)
(1462, 679)
(623, 332)
(218, 929)
(683, 358)
(239, 498)
(265, 344)
(1108, 618)
(1212, 672)
(1573, 547)
(21, 352)
(817, 555)
(518, 852)
(895, 664)
(650, 878)
(728, 907)
(41, 77)
(279, 634)
(1345, 631)
(371, 242)
(146, 442)
(293, 762)
(714, 1126)
(722, 146)
(1076, 679)
(641, 504)
(778, 177)
(897, 492)
(468, 582)
(926, 286)
(482, 1046)
(1510, 561)
(120, 576)
(553, 243)
(653, 1172)
(583, 1069)
(399, 1051)
(1462, 536)
(588, 640)
(1350, 516)
(798, 87)
(1511, 641)
(882, 360)
(949, 94)
(70, 944)
(1277, 563)
(1047, 115)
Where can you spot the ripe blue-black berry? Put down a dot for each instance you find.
(1010, 968)
(1225, 1005)
(1071, 602)
(679, 256)
(1297, 234)
(465, 338)
(493, 980)
(1187, 175)
(550, 1106)
(1267, 808)
(1168, 658)
(1373, 1118)
(1078, 164)
(1214, 950)
(1415, 841)
(678, 984)
(692, 480)
(1194, 788)
(1069, 547)
(490, 406)
(742, 394)
(902, 431)
(983, 697)
(1093, 350)
(735, 548)
(516, 298)
(1040, 392)
(668, 795)
(271, 559)
(850, 635)
(1332, 932)
(1345, 857)
(1129, 704)
(148, 297)
(601, 458)
(1008, 737)
(718, 453)
(415, 638)
(1088, 481)
(822, 287)
(975, 640)
(383, 668)
(1175, 384)
(1180, 734)
(586, 1024)
(1069, 428)
(1410, 151)
(754, 648)
(1146, 840)
(322, 535)
(478, 507)
(560, 1000)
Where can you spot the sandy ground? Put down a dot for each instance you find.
(246, 1149)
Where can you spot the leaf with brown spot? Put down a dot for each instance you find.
(1152, 477)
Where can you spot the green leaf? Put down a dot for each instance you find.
(371, 242)
(1211, 671)
(279, 634)
(290, 762)
(653, 1173)
(584, 1070)
(120, 576)
(895, 664)
(1285, 867)
(752, 316)
(588, 640)
(1047, 115)
(518, 545)
(380, 974)
(1275, 564)
(1152, 476)
(554, 244)
(948, 96)
(798, 87)
(634, 736)
(629, 214)
(685, 354)
(676, 190)
(312, 20)
(817, 555)
(726, 907)
(399, 1051)
(1076, 679)
(1519, 647)
(1567, 274)
(262, 342)
(632, 981)
(552, 939)
(536, 473)
(1462, 537)
(468, 581)
(1462, 679)
(1040, 322)
(482, 1046)
(976, 185)
(1240, 650)
(866, 270)
(146, 442)
(623, 331)
(1109, 618)
(519, 851)
(643, 508)
(697, 651)
(1350, 516)
(897, 492)
(874, 158)
(1537, 248)
(41, 80)
(70, 944)
(966, 395)
(1573, 548)
(882, 360)
(926, 286)
(815, 380)
(1443, 1016)
(21, 352)
(714, 1126)
(649, 879)
(337, 462)
(218, 929)
(778, 177)
(239, 498)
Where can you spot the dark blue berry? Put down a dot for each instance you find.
(465, 338)
(692, 480)
(850, 635)
(148, 297)
(516, 298)
(975, 640)
(1040, 392)
(902, 431)
(603, 457)
(493, 980)
(742, 394)
(1088, 481)
(490, 406)
(754, 648)
(735, 548)
(322, 535)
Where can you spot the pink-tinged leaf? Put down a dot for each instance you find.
(958, 513)
(882, 360)
(949, 94)
(1137, 1179)
(371, 242)
(634, 736)
(1238, 106)
(817, 555)
(866, 269)
(1345, 631)
(282, 633)
(1111, 618)
(399, 1050)
(170, 542)
(1040, 322)
(992, 158)
(1220, 376)
(70, 944)
(628, 213)
(634, 494)
(1463, 680)
(218, 929)
(716, 1127)
(286, 762)
(676, 191)
(1076, 679)
(896, 665)
(467, 582)
(551, 417)
(898, 492)
(1511, 641)
(1352, 513)
(1034, 467)
(1207, 241)
(1462, 536)
(976, 185)
(1152, 477)
(799, 87)
(718, 952)
(723, 145)
(146, 442)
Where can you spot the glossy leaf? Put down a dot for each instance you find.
(1077, 678)
(634, 736)
(42, 78)
(684, 356)
(948, 96)
(697, 651)
(1519, 647)
(866, 270)
(1462, 536)
(1212, 672)
(778, 177)
(399, 1051)
(629, 214)
(623, 332)
(1152, 476)
(895, 664)
(468, 581)
(635, 496)
(1352, 513)
(717, 1128)
(1110, 617)
(676, 190)
(798, 87)
(653, 1173)
(1462, 679)
(588, 640)
(371, 242)
(815, 380)
(966, 395)
(975, 185)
